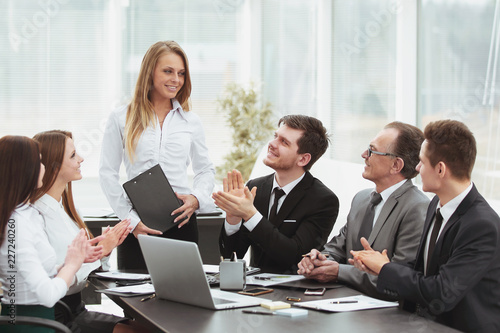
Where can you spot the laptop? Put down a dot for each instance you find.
(177, 274)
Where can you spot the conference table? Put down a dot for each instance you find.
(166, 316)
(209, 226)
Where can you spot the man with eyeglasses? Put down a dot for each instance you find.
(390, 216)
(455, 276)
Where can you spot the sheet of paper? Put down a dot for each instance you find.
(343, 304)
(123, 276)
(214, 269)
(211, 269)
(138, 289)
(99, 213)
(268, 279)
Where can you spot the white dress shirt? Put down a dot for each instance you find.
(176, 145)
(385, 194)
(61, 230)
(28, 262)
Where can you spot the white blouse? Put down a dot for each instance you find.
(28, 262)
(61, 230)
(176, 145)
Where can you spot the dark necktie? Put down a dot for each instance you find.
(278, 193)
(367, 224)
(434, 235)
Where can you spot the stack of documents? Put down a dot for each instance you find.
(268, 279)
(133, 284)
(351, 303)
(138, 289)
(123, 276)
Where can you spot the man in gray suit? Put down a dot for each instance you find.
(391, 216)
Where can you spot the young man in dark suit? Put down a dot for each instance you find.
(280, 227)
(455, 278)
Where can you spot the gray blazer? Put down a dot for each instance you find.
(398, 229)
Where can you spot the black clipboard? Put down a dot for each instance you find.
(153, 198)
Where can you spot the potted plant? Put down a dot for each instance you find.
(252, 123)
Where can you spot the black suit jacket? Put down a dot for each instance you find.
(304, 222)
(462, 286)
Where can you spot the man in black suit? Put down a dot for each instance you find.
(280, 227)
(455, 278)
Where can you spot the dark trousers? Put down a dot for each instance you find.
(129, 255)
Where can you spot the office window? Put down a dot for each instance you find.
(458, 77)
(67, 64)
(208, 32)
(288, 55)
(54, 68)
(363, 74)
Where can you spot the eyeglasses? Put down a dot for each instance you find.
(370, 152)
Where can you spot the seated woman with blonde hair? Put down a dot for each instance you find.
(55, 201)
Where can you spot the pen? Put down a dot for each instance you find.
(309, 255)
(258, 312)
(133, 283)
(343, 302)
(148, 298)
(293, 299)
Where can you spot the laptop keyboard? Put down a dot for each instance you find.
(213, 280)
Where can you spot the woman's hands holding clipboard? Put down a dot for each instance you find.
(142, 229)
(190, 204)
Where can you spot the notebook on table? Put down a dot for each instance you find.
(177, 274)
(153, 198)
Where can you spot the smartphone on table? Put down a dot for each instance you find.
(315, 292)
(256, 291)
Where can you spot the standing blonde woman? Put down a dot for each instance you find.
(157, 127)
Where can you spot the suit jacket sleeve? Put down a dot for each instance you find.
(404, 249)
(336, 247)
(315, 214)
(398, 230)
(468, 249)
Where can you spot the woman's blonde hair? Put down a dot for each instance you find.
(140, 113)
(52, 148)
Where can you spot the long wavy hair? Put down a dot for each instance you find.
(140, 113)
(19, 173)
(53, 146)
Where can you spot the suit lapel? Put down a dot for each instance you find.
(263, 194)
(392, 201)
(293, 198)
(462, 208)
(431, 213)
(382, 218)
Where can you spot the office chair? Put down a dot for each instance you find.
(42, 322)
(35, 321)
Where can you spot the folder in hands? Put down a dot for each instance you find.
(153, 198)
